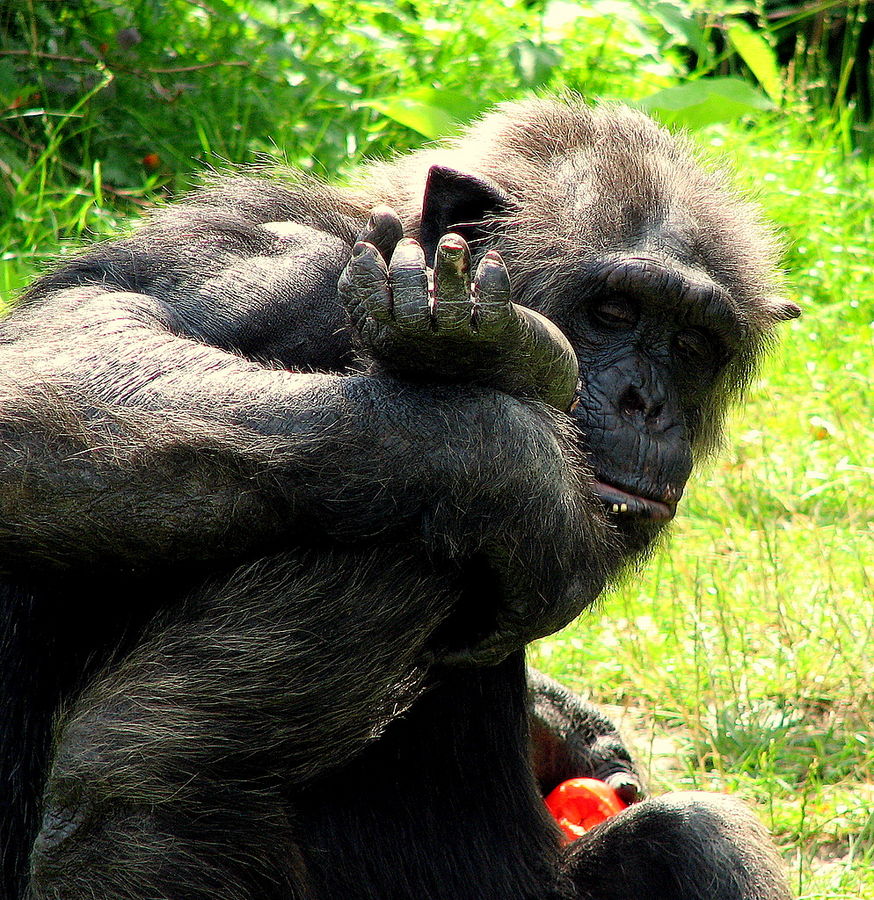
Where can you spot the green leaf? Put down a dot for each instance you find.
(681, 26)
(759, 56)
(431, 112)
(704, 102)
(534, 63)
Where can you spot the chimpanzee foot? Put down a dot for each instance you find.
(455, 329)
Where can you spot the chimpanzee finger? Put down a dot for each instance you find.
(628, 786)
(383, 230)
(363, 286)
(451, 307)
(491, 291)
(408, 277)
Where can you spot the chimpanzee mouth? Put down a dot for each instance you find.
(623, 503)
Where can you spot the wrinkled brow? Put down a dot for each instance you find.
(671, 285)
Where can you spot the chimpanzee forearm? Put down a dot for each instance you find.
(232, 276)
(127, 444)
(323, 677)
(200, 738)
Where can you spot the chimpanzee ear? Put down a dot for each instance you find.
(781, 309)
(456, 201)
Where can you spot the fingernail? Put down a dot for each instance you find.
(408, 251)
(452, 243)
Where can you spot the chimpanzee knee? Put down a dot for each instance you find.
(683, 846)
(120, 824)
(78, 819)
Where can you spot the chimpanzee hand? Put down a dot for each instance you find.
(455, 329)
(570, 738)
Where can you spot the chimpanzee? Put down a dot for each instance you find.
(279, 512)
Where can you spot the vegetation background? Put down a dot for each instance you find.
(741, 660)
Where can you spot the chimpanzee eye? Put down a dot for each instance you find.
(614, 313)
(696, 346)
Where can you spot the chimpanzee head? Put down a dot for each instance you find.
(661, 277)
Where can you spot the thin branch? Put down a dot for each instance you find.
(56, 56)
(157, 70)
(194, 68)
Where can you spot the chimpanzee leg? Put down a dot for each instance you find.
(684, 846)
(171, 771)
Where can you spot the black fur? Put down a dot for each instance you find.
(266, 573)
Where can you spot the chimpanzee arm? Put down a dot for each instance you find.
(231, 276)
(127, 446)
(122, 441)
(134, 431)
(186, 756)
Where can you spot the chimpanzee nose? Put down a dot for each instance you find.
(646, 407)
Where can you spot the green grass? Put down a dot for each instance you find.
(742, 657)
(91, 127)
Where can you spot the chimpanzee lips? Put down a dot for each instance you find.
(621, 502)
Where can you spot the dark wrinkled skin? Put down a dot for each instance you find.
(270, 549)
